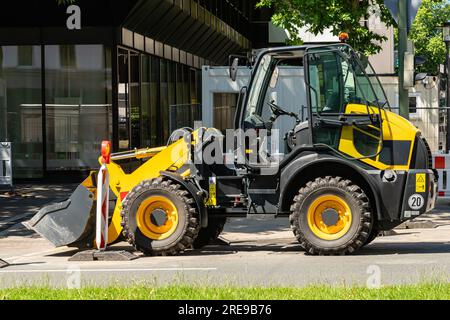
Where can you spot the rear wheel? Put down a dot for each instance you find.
(331, 216)
(372, 236)
(211, 232)
(159, 217)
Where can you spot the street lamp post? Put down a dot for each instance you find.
(446, 35)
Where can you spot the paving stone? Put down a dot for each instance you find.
(94, 255)
(419, 224)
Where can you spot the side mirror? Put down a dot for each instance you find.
(234, 69)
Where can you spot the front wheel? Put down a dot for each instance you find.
(331, 216)
(159, 217)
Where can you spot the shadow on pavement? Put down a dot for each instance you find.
(375, 249)
(405, 248)
(68, 253)
(370, 250)
(243, 225)
(24, 264)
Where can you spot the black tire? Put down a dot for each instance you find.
(358, 203)
(372, 236)
(188, 217)
(210, 233)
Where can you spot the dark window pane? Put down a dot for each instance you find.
(179, 87)
(25, 55)
(171, 77)
(123, 103)
(224, 109)
(365, 144)
(412, 104)
(164, 100)
(145, 101)
(154, 104)
(67, 56)
(193, 86)
(186, 84)
(135, 106)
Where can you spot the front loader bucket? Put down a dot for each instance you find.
(68, 223)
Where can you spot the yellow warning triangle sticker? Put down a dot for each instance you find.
(420, 179)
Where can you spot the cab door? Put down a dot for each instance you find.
(342, 117)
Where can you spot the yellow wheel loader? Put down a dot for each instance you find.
(342, 173)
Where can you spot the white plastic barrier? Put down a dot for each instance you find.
(441, 162)
(101, 238)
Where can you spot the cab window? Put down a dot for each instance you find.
(325, 81)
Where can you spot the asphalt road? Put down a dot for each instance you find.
(261, 253)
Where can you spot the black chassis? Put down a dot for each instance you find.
(273, 194)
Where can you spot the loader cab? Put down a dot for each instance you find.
(344, 101)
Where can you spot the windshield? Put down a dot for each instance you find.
(258, 82)
(376, 85)
(337, 78)
(367, 78)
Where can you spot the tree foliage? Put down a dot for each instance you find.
(336, 15)
(65, 2)
(426, 33)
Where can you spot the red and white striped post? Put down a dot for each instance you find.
(101, 238)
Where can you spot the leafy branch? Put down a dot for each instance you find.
(335, 15)
(65, 2)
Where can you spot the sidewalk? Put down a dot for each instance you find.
(25, 202)
(440, 216)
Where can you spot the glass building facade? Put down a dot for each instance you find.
(131, 74)
(55, 106)
(155, 95)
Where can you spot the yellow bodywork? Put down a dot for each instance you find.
(394, 127)
(170, 158)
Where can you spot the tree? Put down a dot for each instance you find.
(65, 2)
(427, 36)
(336, 15)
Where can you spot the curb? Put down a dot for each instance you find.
(420, 224)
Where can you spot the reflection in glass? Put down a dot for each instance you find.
(224, 110)
(21, 108)
(135, 103)
(155, 123)
(164, 100)
(78, 110)
(145, 101)
(123, 95)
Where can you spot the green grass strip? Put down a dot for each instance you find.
(186, 292)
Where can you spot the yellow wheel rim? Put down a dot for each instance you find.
(157, 217)
(329, 217)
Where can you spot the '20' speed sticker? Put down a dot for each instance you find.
(416, 202)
